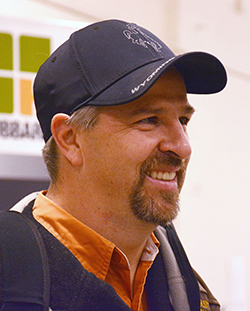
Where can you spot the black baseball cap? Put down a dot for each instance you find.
(114, 62)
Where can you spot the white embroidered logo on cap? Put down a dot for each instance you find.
(133, 32)
(136, 89)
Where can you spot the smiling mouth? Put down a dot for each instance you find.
(167, 176)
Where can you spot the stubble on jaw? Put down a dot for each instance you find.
(158, 208)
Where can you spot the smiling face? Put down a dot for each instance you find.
(135, 157)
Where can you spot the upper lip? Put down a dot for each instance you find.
(169, 169)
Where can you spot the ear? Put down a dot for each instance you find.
(66, 139)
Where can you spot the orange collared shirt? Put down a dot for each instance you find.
(97, 254)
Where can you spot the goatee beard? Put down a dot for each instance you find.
(159, 207)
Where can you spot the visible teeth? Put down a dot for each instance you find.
(161, 175)
(169, 176)
(153, 174)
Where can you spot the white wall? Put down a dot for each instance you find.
(213, 224)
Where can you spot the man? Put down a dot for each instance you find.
(112, 105)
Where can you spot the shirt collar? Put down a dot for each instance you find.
(92, 250)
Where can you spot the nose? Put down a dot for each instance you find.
(175, 139)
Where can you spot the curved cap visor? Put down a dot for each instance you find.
(202, 72)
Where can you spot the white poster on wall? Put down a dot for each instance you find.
(24, 46)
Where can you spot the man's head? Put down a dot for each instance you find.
(112, 63)
(129, 91)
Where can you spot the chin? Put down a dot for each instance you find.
(158, 211)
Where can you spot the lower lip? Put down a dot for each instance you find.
(165, 185)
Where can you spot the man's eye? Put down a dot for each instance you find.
(184, 120)
(150, 120)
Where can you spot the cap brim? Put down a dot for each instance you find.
(202, 72)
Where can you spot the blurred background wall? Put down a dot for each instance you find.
(214, 220)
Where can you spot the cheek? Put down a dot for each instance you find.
(116, 161)
(137, 148)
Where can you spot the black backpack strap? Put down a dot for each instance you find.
(24, 274)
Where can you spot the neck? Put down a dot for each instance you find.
(124, 230)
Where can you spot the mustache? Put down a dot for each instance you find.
(162, 159)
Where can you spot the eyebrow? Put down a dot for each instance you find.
(188, 109)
